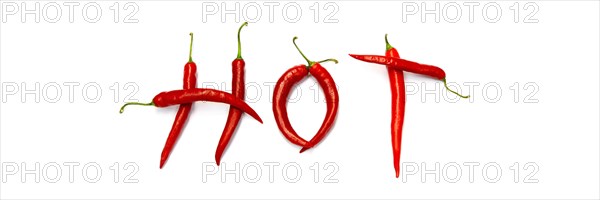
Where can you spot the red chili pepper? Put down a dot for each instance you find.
(189, 82)
(237, 72)
(176, 97)
(409, 66)
(332, 99)
(282, 90)
(398, 104)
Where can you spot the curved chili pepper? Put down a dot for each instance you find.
(282, 90)
(409, 66)
(189, 82)
(176, 97)
(398, 104)
(237, 72)
(332, 99)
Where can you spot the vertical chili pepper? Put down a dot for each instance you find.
(398, 104)
(283, 88)
(237, 89)
(189, 82)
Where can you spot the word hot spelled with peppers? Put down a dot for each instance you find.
(185, 97)
(190, 94)
(395, 67)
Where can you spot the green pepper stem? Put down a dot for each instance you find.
(329, 60)
(446, 85)
(310, 63)
(239, 55)
(191, 42)
(134, 103)
(387, 44)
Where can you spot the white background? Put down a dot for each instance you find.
(559, 134)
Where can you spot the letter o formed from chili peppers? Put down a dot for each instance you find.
(283, 88)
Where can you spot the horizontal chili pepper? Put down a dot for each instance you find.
(189, 82)
(398, 104)
(176, 97)
(409, 66)
(282, 90)
(237, 89)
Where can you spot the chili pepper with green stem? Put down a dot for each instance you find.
(398, 104)
(237, 89)
(176, 97)
(189, 82)
(409, 66)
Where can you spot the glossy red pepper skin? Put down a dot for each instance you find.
(404, 65)
(189, 82)
(283, 88)
(235, 114)
(332, 100)
(398, 107)
(176, 97)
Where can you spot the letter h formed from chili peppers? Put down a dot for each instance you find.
(283, 88)
(190, 94)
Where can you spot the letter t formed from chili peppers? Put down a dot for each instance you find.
(282, 90)
(395, 66)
